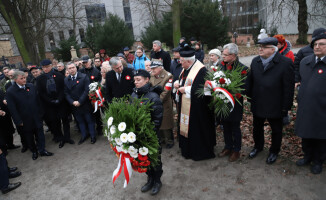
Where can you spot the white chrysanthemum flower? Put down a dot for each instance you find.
(131, 137)
(132, 150)
(112, 129)
(124, 137)
(110, 121)
(93, 86)
(122, 126)
(118, 141)
(134, 155)
(119, 148)
(219, 74)
(143, 151)
(226, 101)
(124, 150)
(227, 81)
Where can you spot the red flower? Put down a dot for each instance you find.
(222, 81)
(92, 77)
(77, 81)
(238, 95)
(27, 90)
(229, 67)
(214, 69)
(142, 158)
(54, 76)
(244, 72)
(127, 78)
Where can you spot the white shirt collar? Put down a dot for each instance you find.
(320, 58)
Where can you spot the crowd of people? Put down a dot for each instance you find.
(57, 94)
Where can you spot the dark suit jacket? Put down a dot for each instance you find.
(24, 106)
(93, 74)
(49, 107)
(77, 90)
(271, 90)
(117, 89)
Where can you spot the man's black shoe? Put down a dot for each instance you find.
(271, 158)
(13, 146)
(148, 185)
(81, 141)
(316, 168)
(10, 187)
(93, 140)
(12, 169)
(34, 155)
(14, 174)
(24, 149)
(61, 144)
(302, 162)
(46, 153)
(156, 188)
(254, 153)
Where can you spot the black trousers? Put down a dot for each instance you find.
(66, 127)
(314, 149)
(4, 173)
(98, 121)
(157, 171)
(30, 136)
(258, 133)
(232, 135)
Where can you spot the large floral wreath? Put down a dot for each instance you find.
(131, 134)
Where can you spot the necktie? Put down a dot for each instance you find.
(119, 77)
(318, 60)
(73, 78)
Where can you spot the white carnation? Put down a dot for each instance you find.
(118, 141)
(110, 121)
(112, 129)
(124, 137)
(134, 155)
(132, 150)
(122, 126)
(227, 81)
(131, 137)
(143, 151)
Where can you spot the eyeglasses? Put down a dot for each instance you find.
(319, 44)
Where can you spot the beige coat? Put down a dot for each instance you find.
(165, 80)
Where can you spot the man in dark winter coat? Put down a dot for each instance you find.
(119, 81)
(23, 104)
(50, 86)
(271, 89)
(92, 73)
(159, 53)
(76, 92)
(302, 53)
(231, 124)
(310, 123)
(144, 90)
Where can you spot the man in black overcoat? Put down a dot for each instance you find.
(271, 89)
(76, 92)
(23, 104)
(50, 86)
(311, 115)
(159, 53)
(231, 124)
(119, 81)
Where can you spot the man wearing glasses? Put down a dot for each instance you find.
(271, 89)
(311, 115)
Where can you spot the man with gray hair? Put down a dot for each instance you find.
(119, 81)
(270, 86)
(214, 59)
(196, 132)
(159, 53)
(92, 72)
(23, 104)
(231, 124)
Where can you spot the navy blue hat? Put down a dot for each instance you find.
(268, 40)
(177, 49)
(142, 73)
(126, 49)
(187, 51)
(318, 34)
(121, 55)
(85, 58)
(156, 63)
(46, 62)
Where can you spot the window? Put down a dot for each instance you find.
(71, 32)
(61, 35)
(82, 35)
(51, 39)
(95, 13)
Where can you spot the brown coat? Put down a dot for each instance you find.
(165, 79)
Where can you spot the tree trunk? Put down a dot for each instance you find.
(302, 22)
(176, 21)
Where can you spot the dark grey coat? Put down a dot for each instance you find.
(311, 115)
(271, 90)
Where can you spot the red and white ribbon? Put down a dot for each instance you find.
(124, 162)
(212, 85)
(98, 103)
